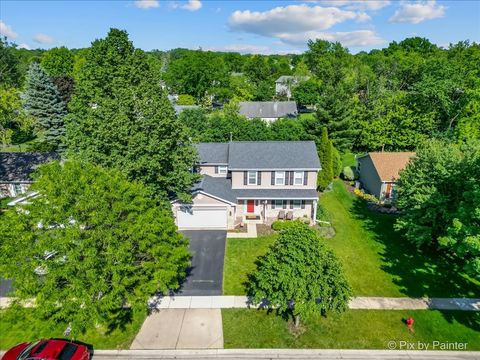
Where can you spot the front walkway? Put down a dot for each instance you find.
(367, 303)
(251, 232)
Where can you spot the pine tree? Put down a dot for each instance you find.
(325, 176)
(42, 101)
(334, 110)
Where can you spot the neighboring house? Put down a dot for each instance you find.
(180, 108)
(251, 181)
(268, 111)
(379, 172)
(16, 169)
(285, 84)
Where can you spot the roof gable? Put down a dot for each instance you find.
(389, 164)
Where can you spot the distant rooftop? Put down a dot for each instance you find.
(18, 166)
(268, 109)
(285, 78)
(389, 164)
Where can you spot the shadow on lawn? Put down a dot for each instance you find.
(418, 273)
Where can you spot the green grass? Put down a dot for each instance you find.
(354, 329)
(240, 257)
(20, 325)
(379, 262)
(348, 159)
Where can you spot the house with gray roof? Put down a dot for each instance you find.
(285, 84)
(257, 181)
(268, 111)
(16, 170)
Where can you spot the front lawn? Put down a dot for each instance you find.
(20, 325)
(379, 262)
(240, 257)
(354, 329)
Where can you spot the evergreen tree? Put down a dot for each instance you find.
(334, 110)
(42, 101)
(122, 118)
(325, 176)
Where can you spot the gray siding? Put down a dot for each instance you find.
(368, 176)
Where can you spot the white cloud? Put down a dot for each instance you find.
(291, 19)
(356, 38)
(417, 12)
(7, 31)
(190, 5)
(146, 4)
(24, 46)
(363, 5)
(43, 38)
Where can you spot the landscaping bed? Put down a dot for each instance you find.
(354, 329)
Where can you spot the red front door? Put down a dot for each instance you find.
(250, 206)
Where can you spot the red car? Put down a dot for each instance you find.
(48, 350)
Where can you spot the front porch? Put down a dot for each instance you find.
(263, 211)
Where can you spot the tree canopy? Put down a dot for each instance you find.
(300, 276)
(91, 247)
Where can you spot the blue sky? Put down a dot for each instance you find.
(244, 26)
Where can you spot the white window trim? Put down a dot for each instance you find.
(277, 177)
(222, 170)
(301, 175)
(248, 178)
(295, 207)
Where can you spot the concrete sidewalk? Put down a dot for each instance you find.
(372, 303)
(251, 232)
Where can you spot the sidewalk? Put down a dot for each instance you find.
(251, 232)
(372, 303)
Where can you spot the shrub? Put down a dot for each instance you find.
(281, 225)
(348, 173)
(185, 100)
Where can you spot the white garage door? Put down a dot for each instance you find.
(202, 217)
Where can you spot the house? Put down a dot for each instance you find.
(255, 181)
(285, 84)
(179, 108)
(268, 111)
(16, 169)
(379, 172)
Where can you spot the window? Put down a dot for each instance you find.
(297, 204)
(277, 204)
(222, 170)
(279, 177)
(17, 188)
(252, 178)
(298, 178)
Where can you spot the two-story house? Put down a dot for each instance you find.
(251, 181)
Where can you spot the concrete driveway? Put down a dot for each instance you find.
(181, 329)
(205, 277)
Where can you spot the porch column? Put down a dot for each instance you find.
(314, 212)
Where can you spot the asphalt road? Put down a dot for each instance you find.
(205, 275)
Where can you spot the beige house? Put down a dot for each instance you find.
(257, 181)
(379, 172)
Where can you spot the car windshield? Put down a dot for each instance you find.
(24, 354)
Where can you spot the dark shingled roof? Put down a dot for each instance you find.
(222, 188)
(213, 153)
(271, 155)
(216, 186)
(261, 155)
(268, 109)
(17, 167)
